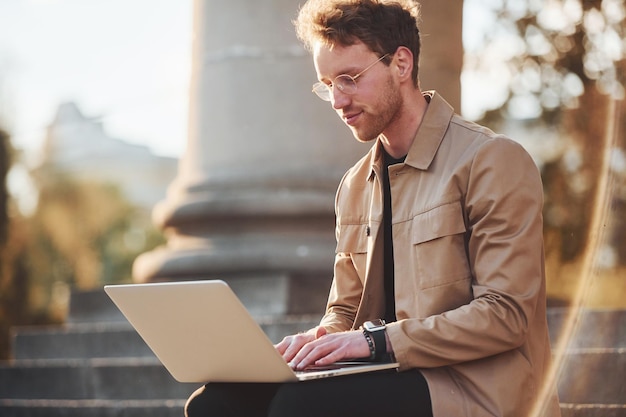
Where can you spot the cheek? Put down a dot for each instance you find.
(389, 101)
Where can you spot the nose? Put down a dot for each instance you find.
(338, 98)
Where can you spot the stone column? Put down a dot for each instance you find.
(253, 202)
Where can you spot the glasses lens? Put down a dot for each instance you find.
(322, 91)
(345, 84)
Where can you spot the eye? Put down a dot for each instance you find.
(345, 83)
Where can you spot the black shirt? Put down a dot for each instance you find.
(390, 303)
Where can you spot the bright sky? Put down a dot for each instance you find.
(127, 61)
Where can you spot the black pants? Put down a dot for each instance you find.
(374, 394)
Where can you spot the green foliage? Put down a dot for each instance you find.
(86, 234)
(5, 163)
(10, 296)
(81, 235)
(558, 50)
(15, 307)
(565, 62)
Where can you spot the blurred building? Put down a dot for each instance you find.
(79, 146)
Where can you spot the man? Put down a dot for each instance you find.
(439, 233)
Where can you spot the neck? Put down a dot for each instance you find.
(399, 136)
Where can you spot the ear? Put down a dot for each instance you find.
(403, 63)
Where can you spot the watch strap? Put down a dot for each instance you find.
(370, 344)
(380, 344)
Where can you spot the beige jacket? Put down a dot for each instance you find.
(469, 266)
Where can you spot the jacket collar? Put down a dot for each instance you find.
(428, 138)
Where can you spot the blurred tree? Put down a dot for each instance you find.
(14, 309)
(85, 234)
(81, 235)
(5, 163)
(567, 62)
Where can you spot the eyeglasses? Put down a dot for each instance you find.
(344, 82)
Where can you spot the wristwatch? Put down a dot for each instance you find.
(376, 329)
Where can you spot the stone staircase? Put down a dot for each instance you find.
(592, 382)
(97, 366)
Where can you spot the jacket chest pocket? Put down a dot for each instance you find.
(438, 245)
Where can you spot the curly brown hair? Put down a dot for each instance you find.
(382, 25)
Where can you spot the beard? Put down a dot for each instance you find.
(381, 115)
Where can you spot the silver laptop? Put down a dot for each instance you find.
(202, 333)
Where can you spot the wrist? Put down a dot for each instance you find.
(377, 334)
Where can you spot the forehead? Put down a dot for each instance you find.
(332, 60)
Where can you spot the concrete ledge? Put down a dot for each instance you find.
(117, 339)
(173, 408)
(593, 376)
(98, 366)
(93, 340)
(92, 307)
(597, 328)
(593, 410)
(91, 408)
(107, 379)
(276, 295)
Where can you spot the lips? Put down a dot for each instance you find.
(351, 119)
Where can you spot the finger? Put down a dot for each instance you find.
(331, 358)
(313, 351)
(283, 345)
(295, 345)
(332, 348)
(291, 352)
(320, 331)
(300, 360)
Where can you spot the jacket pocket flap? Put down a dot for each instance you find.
(352, 238)
(444, 220)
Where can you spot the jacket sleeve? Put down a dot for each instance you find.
(346, 288)
(503, 205)
(344, 297)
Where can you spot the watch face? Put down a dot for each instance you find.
(374, 325)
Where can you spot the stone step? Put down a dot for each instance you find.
(92, 306)
(597, 328)
(91, 408)
(94, 340)
(106, 379)
(263, 296)
(593, 410)
(173, 408)
(129, 378)
(594, 376)
(97, 365)
(116, 339)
